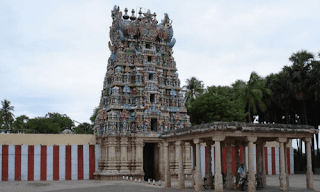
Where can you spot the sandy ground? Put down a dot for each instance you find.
(297, 183)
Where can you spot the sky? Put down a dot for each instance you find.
(53, 54)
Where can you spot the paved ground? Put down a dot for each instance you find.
(297, 183)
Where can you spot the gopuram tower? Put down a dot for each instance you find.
(141, 98)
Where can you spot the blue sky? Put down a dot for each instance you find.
(53, 54)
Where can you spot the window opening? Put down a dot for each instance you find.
(152, 98)
(153, 124)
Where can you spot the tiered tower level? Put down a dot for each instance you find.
(141, 90)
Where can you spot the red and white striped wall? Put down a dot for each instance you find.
(48, 162)
(271, 159)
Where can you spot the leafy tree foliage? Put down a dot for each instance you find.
(216, 105)
(43, 125)
(251, 94)
(21, 122)
(50, 123)
(62, 119)
(295, 97)
(6, 115)
(84, 128)
(194, 88)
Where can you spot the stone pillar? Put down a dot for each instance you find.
(194, 165)
(132, 155)
(309, 175)
(179, 145)
(104, 154)
(286, 164)
(198, 178)
(282, 177)
(237, 161)
(264, 175)
(260, 165)
(218, 182)
(124, 170)
(112, 163)
(167, 175)
(187, 160)
(251, 175)
(176, 161)
(209, 164)
(229, 178)
(139, 157)
(161, 161)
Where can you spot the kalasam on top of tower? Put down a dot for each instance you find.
(141, 90)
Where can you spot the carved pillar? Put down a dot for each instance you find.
(161, 161)
(251, 175)
(209, 164)
(133, 159)
(261, 173)
(112, 163)
(229, 164)
(282, 177)
(309, 175)
(139, 156)
(198, 178)
(124, 170)
(187, 160)
(172, 160)
(179, 146)
(194, 154)
(218, 182)
(104, 154)
(176, 161)
(167, 175)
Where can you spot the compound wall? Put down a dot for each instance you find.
(28, 157)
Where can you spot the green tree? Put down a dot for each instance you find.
(43, 125)
(21, 122)
(299, 80)
(6, 115)
(194, 88)
(84, 128)
(251, 93)
(216, 105)
(62, 119)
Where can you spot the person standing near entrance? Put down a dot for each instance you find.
(243, 176)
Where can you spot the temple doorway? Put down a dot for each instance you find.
(150, 161)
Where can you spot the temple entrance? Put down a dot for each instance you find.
(149, 162)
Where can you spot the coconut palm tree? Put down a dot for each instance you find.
(6, 115)
(194, 88)
(251, 93)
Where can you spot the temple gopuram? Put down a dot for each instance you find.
(141, 95)
(144, 131)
